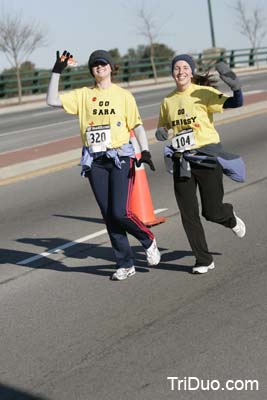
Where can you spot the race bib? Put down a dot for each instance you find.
(98, 137)
(184, 141)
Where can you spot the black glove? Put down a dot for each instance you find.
(145, 158)
(62, 61)
(162, 134)
(228, 76)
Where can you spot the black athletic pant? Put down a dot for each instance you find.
(209, 181)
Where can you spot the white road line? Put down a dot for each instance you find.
(245, 93)
(253, 92)
(37, 127)
(64, 246)
(149, 105)
(73, 243)
(10, 116)
(44, 113)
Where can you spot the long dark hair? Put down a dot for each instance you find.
(207, 79)
(114, 72)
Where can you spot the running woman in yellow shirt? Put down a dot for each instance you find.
(186, 117)
(107, 113)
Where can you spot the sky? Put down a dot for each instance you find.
(82, 26)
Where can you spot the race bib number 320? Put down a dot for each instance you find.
(98, 137)
(184, 141)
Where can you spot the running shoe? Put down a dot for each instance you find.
(152, 254)
(123, 273)
(240, 228)
(202, 269)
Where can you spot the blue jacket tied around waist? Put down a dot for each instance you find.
(232, 165)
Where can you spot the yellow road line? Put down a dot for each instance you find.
(39, 172)
(238, 117)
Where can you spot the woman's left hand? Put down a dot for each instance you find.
(145, 158)
(228, 76)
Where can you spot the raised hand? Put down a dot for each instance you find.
(61, 61)
(228, 76)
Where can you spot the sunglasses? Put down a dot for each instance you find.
(102, 63)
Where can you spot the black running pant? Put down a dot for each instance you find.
(209, 181)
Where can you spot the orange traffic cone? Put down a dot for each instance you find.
(141, 203)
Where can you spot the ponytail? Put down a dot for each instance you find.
(205, 80)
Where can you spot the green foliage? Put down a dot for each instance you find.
(27, 66)
(160, 51)
(115, 55)
(143, 52)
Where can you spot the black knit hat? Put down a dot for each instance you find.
(187, 58)
(100, 55)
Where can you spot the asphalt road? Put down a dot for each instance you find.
(69, 332)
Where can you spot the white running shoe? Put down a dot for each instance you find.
(123, 273)
(203, 269)
(240, 228)
(152, 254)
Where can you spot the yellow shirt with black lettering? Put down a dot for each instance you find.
(94, 106)
(193, 109)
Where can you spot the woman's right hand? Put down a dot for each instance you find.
(162, 134)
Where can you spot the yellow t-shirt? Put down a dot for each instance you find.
(114, 106)
(193, 109)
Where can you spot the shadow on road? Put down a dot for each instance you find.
(61, 260)
(11, 393)
(86, 219)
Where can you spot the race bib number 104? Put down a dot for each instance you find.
(184, 141)
(98, 137)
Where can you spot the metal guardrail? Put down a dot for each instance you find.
(36, 81)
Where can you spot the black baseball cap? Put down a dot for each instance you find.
(100, 56)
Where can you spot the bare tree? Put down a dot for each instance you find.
(252, 26)
(18, 39)
(149, 30)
